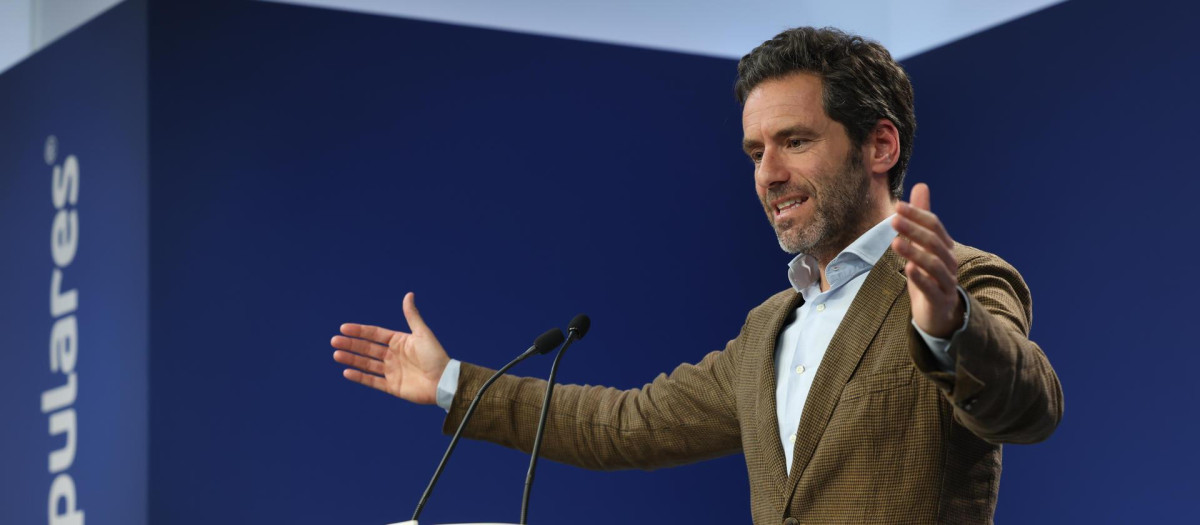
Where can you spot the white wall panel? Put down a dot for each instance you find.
(724, 28)
(52, 19)
(29, 25)
(15, 42)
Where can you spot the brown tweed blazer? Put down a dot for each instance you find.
(885, 437)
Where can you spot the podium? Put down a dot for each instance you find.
(414, 522)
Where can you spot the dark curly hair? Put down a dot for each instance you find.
(860, 82)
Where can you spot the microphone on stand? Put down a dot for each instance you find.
(575, 331)
(545, 343)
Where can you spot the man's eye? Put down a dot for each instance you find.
(756, 156)
(796, 143)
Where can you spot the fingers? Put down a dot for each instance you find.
(926, 237)
(926, 219)
(359, 346)
(927, 284)
(917, 210)
(372, 381)
(919, 196)
(373, 366)
(382, 336)
(926, 240)
(412, 316)
(933, 266)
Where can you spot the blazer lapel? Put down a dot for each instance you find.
(768, 418)
(870, 307)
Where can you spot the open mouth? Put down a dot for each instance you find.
(785, 205)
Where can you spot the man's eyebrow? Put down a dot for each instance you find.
(797, 129)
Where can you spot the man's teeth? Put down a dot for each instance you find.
(788, 204)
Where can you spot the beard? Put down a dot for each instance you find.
(841, 206)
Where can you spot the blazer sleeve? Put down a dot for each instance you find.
(681, 417)
(1003, 388)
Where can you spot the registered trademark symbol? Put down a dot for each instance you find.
(51, 151)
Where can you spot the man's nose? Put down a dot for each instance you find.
(771, 170)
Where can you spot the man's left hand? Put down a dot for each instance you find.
(932, 271)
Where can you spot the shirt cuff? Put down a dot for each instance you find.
(941, 347)
(448, 385)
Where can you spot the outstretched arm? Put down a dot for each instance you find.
(679, 418)
(686, 416)
(406, 365)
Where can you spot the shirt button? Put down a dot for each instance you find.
(792, 438)
(800, 369)
(821, 307)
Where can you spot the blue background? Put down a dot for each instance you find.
(311, 166)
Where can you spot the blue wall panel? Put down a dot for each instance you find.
(88, 91)
(312, 166)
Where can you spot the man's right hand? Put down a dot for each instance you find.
(406, 365)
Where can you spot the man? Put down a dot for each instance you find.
(878, 388)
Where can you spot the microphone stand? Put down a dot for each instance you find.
(578, 327)
(544, 343)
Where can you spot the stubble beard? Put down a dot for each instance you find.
(841, 207)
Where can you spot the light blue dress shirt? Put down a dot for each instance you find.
(802, 344)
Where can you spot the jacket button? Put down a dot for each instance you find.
(791, 521)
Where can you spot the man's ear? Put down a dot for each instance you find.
(882, 147)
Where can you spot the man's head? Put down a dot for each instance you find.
(861, 83)
(828, 117)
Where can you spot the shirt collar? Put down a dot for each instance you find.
(863, 253)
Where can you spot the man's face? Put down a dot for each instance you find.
(809, 178)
